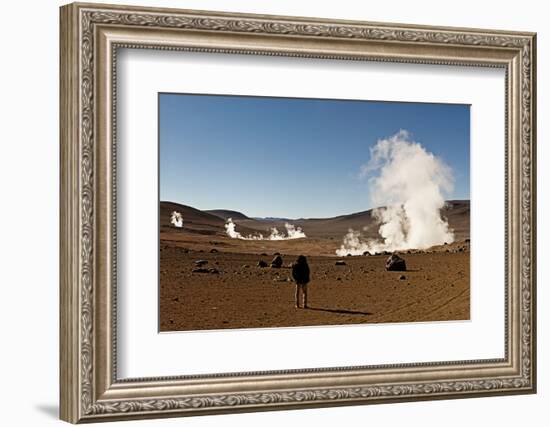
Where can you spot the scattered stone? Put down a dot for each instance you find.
(340, 262)
(201, 262)
(246, 266)
(177, 299)
(200, 270)
(262, 264)
(213, 271)
(213, 251)
(396, 263)
(402, 277)
(277, 262)
(338, 278)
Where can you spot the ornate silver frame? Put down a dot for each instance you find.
(90, 36)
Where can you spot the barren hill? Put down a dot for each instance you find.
(194, 220)
(226, 213)
(457, 213)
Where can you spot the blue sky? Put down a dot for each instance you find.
(293, 158)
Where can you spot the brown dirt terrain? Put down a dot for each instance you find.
(242, 295)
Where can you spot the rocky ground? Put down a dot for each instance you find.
(229, 290)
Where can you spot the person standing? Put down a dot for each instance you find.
(300, 274)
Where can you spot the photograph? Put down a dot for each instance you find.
(293, 212)
(344, 210)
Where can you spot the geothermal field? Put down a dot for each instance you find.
(216, 268)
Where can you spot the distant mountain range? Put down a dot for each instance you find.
(457, 213)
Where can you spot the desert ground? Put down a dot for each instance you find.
(230, 290)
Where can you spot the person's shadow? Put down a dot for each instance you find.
(339, 311)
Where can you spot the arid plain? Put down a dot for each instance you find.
(209, 280)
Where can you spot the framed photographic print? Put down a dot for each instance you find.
(264, 212)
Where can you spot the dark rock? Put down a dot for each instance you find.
(349, 255)
(201, 262)
(277, 262)
(213, 250)
(262, 264)
(263, 254)
(366, 253)
(213, 271)
(396, 263)
(402, 277)
(200, 270)
(340, 262)
(177, 299)
(277, 254)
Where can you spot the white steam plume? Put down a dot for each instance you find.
(176, 219)
(230, 230)
(292, 232)
(410, 183)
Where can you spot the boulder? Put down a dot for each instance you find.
(277, 262)
(262, 264)
(396, 263)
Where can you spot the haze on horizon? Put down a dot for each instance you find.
(294, 158)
